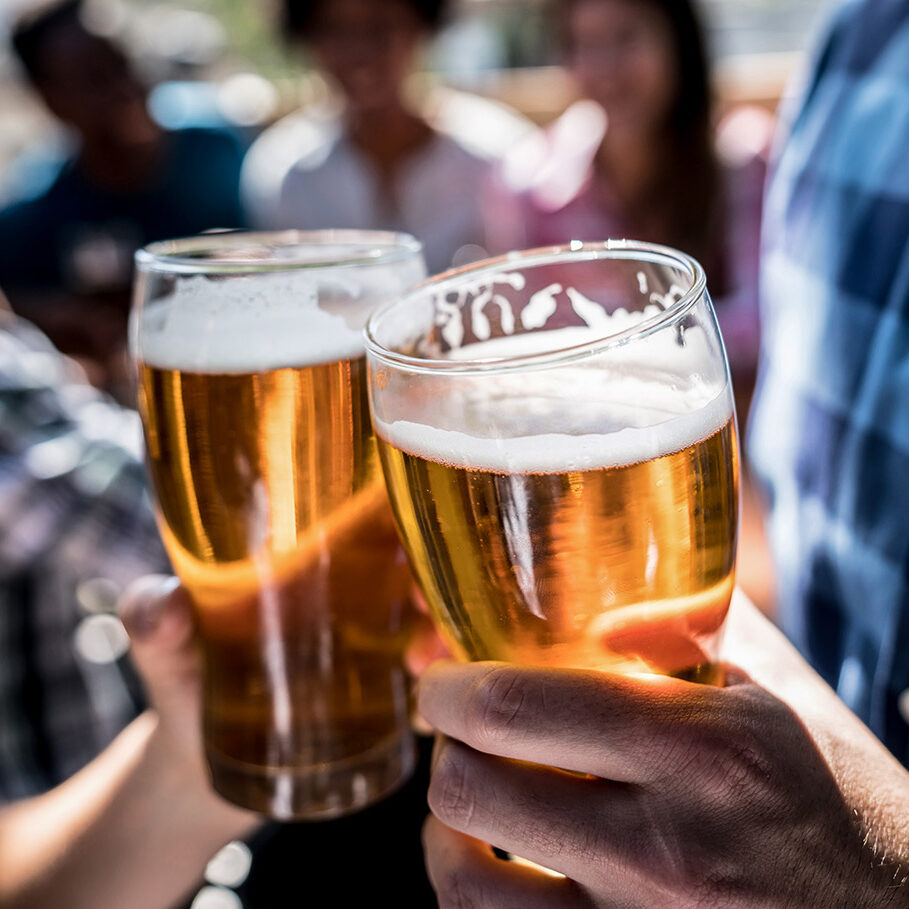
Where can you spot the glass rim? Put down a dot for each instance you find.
(575, 251)
(187, 255)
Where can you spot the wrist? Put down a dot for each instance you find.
(178, 777)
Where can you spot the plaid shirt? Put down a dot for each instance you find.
(830, 434)
(75, 527)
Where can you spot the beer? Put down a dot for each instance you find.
(549, 529)
(274, 512)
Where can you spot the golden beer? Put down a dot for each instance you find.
(275, 515)
(625, 568)
(576, 512)
(272, 506)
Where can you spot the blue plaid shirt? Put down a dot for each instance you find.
(830, 433)
(76, 526)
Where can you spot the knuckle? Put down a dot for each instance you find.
(732, 759)
(750, 768)
(456, 888)
(743, 772)
(496, 706)
(451, 796)
(747, 765)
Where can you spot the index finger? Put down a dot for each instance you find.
(617, 727)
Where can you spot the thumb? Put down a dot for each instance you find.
(156, 612)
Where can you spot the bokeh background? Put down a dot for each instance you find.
(217, 60)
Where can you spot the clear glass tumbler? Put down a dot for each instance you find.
(558, 436)
(252, 390)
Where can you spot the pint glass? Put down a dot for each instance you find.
(252, 390)
(558, 436)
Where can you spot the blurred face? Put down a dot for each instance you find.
(88, 83)
(622, 56)
(367, 47)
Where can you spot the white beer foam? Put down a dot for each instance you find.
(632, 404)
(557, 452)
(249, 325)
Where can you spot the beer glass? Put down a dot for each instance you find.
(271, 503)
(558, 436)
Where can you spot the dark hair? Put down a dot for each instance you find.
(299, 16)
(34, 25)
(694, 101)
(694, 200)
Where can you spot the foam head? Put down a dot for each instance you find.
(629, 405)
(252, 323)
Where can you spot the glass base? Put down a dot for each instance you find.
(318, 792)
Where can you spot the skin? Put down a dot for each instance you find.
(621, 55)
(88, 83)
(765, 793)
(136, 826)
(367, 49)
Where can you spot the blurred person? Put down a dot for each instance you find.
(104, 795)
(76, 526)
(790, 785)
(639, 156)
(66, 251)
(376, 160)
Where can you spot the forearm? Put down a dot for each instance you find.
(876, 788)
(134, 828)
(872, 783)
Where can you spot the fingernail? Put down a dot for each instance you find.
(144, 604)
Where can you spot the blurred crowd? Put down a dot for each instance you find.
(144, 152)
(370, 138)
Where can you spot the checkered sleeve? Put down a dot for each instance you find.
(830, 431)
(76, 526)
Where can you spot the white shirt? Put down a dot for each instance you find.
(304, 173)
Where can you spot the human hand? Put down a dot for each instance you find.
(423, 649)
(768, 792)
(137, 824)
(156, 613)
(425, 645)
